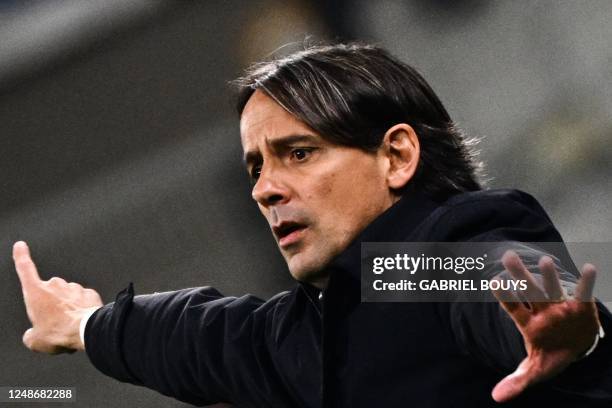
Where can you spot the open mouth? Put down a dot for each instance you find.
(288, 233)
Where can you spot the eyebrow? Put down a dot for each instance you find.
(276, 144)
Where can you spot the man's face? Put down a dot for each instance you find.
(316, 196)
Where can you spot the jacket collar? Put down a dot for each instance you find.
(393, 225)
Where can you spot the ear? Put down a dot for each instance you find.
(401, 145)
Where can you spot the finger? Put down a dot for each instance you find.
(75, 286)
(28, 338)
(552, 285)
(93, 296)
(511, 304)
(26, 270)
(57, 281)
(32, 341)
(513, 264)
(512, 385)
(584, 288)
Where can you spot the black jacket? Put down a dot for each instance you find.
(306, 349)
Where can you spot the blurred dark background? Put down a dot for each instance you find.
(120, 151)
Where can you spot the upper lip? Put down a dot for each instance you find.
(285, 228)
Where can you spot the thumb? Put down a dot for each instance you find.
(26, 270)
(512, 385)
(28, 338)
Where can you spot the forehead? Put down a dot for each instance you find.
(263, 119)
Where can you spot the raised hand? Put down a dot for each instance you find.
(54, 307)
(556, 330)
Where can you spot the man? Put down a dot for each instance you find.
(346, 145)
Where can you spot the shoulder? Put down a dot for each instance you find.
(504, 214)
(509, 197)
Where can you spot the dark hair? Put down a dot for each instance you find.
(351, 94)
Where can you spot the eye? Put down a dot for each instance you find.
(301, 153)
(255, 172)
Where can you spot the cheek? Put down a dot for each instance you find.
(330, 190)
(344, 198)
(320, 191)
(338, 199)
(264, 211)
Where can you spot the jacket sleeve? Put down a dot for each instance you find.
(194, 345)
(486, 332)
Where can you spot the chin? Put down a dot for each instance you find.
(312, 272)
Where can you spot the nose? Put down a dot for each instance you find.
(269, 190)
